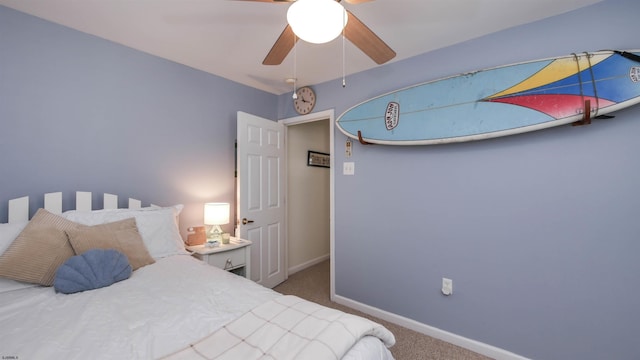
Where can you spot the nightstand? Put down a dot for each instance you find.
(234, 256)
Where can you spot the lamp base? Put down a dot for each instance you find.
(214, 237)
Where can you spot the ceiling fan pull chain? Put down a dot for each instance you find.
(344, 81)
(295, 61)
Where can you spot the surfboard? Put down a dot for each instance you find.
(499, 101)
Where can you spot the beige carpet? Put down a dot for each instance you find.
(313, 284)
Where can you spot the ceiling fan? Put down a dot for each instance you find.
(355, 31)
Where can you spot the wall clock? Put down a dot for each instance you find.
(305, 100)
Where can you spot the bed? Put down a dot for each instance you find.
(171, 305)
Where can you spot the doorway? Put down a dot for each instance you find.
(308, 196)
(310, 191)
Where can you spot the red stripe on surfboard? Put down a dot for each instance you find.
(556, 106)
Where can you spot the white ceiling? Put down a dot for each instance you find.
(230, 38)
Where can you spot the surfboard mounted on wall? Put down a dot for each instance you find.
(501, 101)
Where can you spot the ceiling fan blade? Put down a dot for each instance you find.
(367, 41)
(281, 48)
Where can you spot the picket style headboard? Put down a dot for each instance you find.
(19, 208)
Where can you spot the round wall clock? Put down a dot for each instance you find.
(305, 100)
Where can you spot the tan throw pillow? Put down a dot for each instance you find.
(121, 235)
(42, 246)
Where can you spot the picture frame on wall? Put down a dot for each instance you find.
(320, 159)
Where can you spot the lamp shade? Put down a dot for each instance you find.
(216, 213)
(317, 21)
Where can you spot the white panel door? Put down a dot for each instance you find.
(261, 206)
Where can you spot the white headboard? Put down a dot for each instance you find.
(19, 208)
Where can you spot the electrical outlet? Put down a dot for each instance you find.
(447, 286)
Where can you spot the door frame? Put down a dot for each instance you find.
(316, 116)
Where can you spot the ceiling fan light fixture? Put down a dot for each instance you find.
(317, 21)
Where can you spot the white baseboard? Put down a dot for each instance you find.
(294, 269)
(475, 346)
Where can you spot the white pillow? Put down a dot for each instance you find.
(9, 232)
(157, 225)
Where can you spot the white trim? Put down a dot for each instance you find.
(473, 345)
(308, 264)
(316, 116)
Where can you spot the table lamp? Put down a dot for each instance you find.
(215, 214)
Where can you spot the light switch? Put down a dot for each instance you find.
(348, 168)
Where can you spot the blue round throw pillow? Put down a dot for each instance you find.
(93, 269)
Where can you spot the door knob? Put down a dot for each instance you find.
(245, 221)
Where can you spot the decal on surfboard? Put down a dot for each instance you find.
(634, 74)
(559, 89)
(392, 115)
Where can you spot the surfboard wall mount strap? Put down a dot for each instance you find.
(586, 120)
(361, 140)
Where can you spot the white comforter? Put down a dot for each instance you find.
(162, 308)
(286, 328)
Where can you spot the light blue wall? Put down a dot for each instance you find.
(539, 232)
(81, 113)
